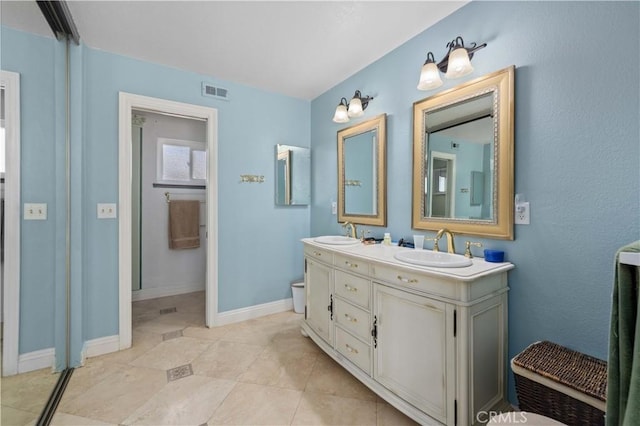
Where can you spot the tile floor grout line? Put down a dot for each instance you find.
(295, 412)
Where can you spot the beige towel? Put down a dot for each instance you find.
(184, 224)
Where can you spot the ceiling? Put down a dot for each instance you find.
(295, 48)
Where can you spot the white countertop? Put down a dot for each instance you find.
(385, 255)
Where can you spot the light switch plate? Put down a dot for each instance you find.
(106, 211)
(35, 211)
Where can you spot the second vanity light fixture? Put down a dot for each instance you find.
(455, 64)
(354, 108)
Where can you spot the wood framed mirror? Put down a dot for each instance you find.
(463, 175)
(362, 188)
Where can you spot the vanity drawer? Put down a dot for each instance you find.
(351, 264)
(411, 280)
(322, 255)
(352, 318)
(352, 288)
(354, 350)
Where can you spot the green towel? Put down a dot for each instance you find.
(623, 382)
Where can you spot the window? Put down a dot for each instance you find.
(181, 162)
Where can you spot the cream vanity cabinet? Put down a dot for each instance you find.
(319, 287)
(429, 341)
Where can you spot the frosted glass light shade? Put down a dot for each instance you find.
(341, 115)
(459, 64)
(429, 77)
(355, 108)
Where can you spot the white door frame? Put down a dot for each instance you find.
(452, 179)
(10, 82)
(127, 103)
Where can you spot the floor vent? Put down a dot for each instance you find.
(179, 372)
(215, 92)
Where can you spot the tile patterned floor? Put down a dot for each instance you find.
(178, 372)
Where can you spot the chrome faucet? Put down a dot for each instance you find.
(353, 233)
(451, 247)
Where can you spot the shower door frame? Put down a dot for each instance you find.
(127, 103)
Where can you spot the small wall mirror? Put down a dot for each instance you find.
(362, 173)
(463, 158)
(293, 174)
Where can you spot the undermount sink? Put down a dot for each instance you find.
(338, 240)
(433, 258)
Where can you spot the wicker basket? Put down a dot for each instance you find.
(560, 383)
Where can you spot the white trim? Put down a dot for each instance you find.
(127, 103)
(154, 292)
(452, 184)
(36, 360)
(100, 346)
(256, 311)
(10, 81)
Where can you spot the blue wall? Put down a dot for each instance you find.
(577, 151)
(42, 269)
(250, 125)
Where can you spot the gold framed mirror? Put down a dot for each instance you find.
(362, 187)
(463, 158)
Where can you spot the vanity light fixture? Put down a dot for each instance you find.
(354, 108)
(455, 64)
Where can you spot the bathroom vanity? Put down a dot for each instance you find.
(430, 341)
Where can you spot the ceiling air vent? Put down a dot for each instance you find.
(212, 91)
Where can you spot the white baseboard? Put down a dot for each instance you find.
(154, 292)
(100, 346)
(108, 344)
(256, 311)
(44, 358)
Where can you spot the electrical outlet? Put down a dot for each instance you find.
(106, 211)
(334, 207)
(522, 213)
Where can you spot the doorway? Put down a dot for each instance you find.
(442, 193)
(128, 105)
(169, 165)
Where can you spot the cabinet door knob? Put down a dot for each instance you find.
(350, 318)
(350, 265)
(349, 288)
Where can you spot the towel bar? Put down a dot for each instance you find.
(168, 195)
